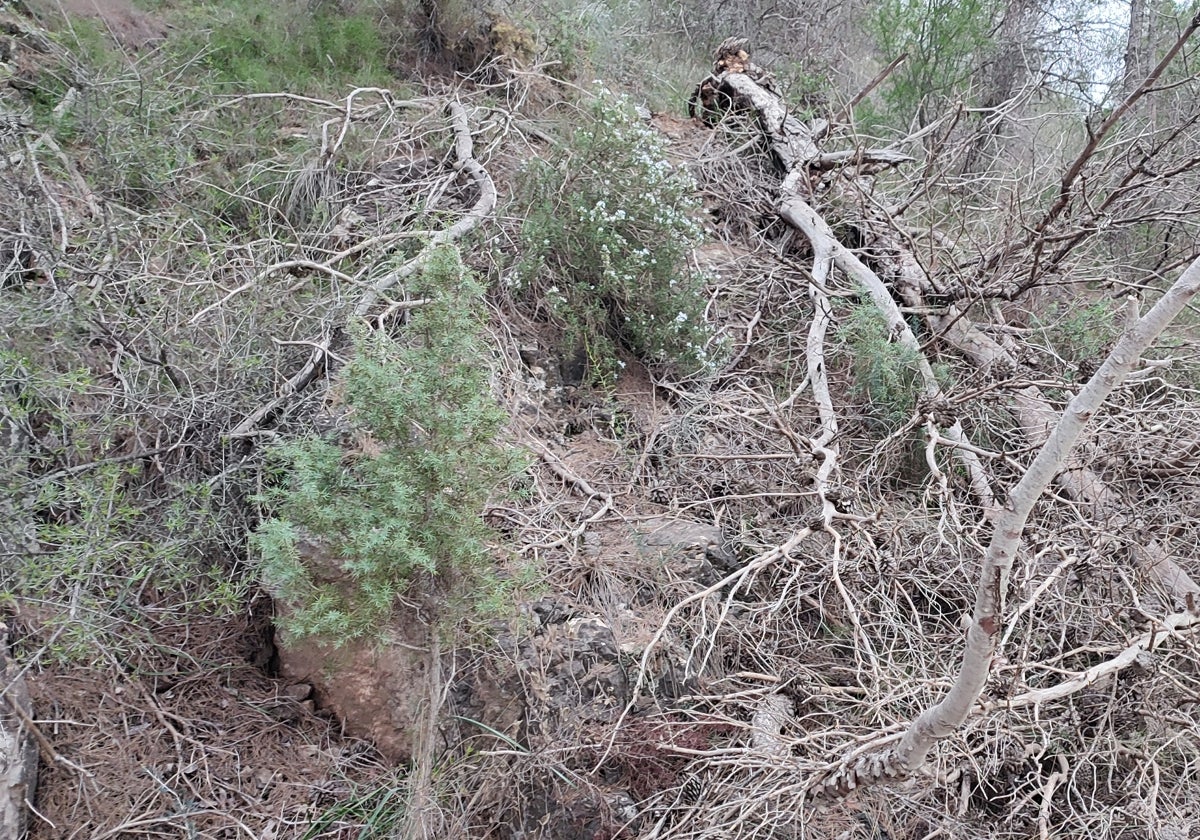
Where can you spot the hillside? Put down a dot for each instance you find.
(543, 421)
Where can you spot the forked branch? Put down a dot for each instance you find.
(987, 621)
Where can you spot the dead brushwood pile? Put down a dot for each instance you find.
(906, 552)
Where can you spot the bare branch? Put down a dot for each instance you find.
(297, 383)
(987, 621)
(1175, 625)
(882, 75)
(1036, 236)
(464, 162)
(796, 212)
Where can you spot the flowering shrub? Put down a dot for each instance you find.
(608, 228)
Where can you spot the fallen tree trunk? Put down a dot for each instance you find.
(1053, 434)
(987, 620)
(797, 213)
(1036, 416)
(736, 85)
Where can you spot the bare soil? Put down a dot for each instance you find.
(209, 743)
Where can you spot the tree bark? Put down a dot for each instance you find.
(795, 148)
(18, 750)
(1139, 46)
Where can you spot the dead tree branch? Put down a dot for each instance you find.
(1037, 234)
(465, 162)
(18, 733)
(738, 84)
(294, 385)
(794, 148)
(1175, 625)
(797, 212)
(987, 621)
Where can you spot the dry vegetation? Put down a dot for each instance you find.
(183, 272)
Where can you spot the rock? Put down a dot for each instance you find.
(372, 686)
(298, 692)
(533, 687)
(687, 548)
(690, 549)
(553, 811)
(560, 679)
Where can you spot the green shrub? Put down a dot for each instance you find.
(608, 228)
(1081, 336)
(260, 46)
(886, 373)
(114, 540)
(946, 41)
(408, 503)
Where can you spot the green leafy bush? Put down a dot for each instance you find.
(608, 228)
(408, 502)
(1083, 334)
(99, 540)
(946, 40)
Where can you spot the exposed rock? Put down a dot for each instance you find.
(298, 691)
(554, 811)
(560, 678)
(684, 548)
(691, 549)
(372, 685)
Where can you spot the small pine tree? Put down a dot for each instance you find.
(886, 373)
(409, 504)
